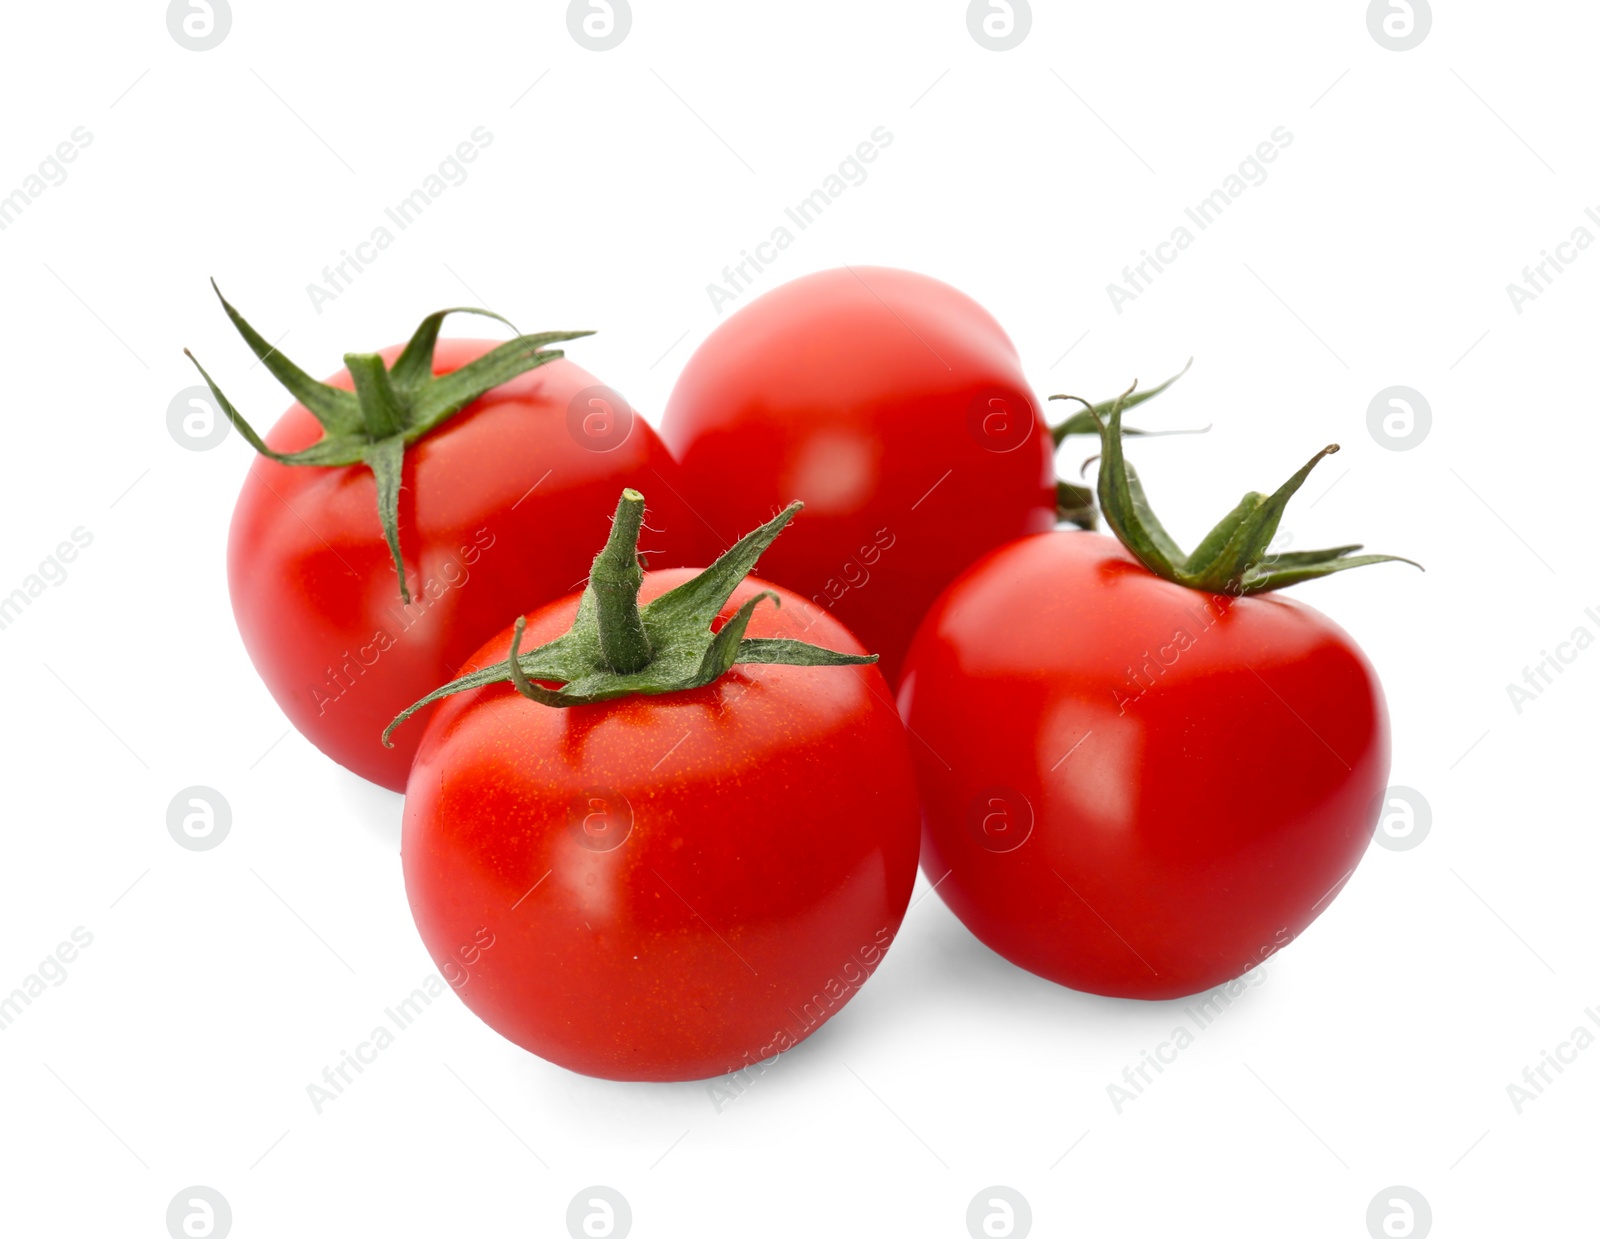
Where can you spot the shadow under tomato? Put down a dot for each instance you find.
(943, 965)
(377, 810)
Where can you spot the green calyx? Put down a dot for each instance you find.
(1074, 503)
(392, 406)
(1234, 557)
(616, 648)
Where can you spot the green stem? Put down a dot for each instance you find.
(381, 409)
(670, 639)
(389, 410)
(1087, 422)
(1075, 504)
(1232, 559)
(519, 680)
(615, 578)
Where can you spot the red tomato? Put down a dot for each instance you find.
(496, 512)
(1133, 787)
(895, 407)
(676, 886)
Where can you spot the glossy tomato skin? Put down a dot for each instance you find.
(1137, 789)
(895, 407)
(498, 513)
(675, 886)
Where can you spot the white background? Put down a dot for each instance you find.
(1376, 1051)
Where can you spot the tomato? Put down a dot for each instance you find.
(310, 572)
(677, 885)
(895, 407)
(1134, 786)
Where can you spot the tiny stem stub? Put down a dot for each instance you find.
(616, 648)
(392, 406)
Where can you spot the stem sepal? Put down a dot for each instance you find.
(391, 407)
(1233, 558)
(597, 658)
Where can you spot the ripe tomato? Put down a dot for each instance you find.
(895, 407)
(488, 506)
(1134, 786)
(677, 885)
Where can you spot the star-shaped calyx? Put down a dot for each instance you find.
(392, 406)
(616, 648)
